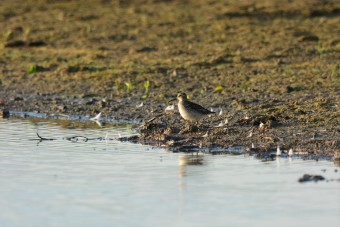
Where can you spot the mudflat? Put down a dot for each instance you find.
(270, 69)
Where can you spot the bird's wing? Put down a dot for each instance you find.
(199, 108)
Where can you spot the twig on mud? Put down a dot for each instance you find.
(42, 138)
(73, 138)
(86, 139)
(154, 118)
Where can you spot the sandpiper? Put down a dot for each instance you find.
(191, 111)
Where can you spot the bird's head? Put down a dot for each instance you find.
(182, 97)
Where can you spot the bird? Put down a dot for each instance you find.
(190, 111)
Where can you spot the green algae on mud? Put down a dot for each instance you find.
(271, 59)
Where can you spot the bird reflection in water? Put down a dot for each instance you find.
(189, 160)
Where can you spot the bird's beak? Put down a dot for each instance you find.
(172, 100)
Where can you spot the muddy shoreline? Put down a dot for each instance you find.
(272, 67)
(260, 135)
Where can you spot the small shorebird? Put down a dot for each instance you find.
(190, 111)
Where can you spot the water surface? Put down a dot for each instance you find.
(110, 183)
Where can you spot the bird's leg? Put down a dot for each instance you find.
(188, 125)
(191, 126)
(197, 125)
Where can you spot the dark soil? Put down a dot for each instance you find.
(271, 66)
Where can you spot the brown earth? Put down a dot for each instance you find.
(275, 62)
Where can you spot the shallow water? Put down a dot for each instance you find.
(110, 183)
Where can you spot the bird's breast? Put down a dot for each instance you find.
(187, 113)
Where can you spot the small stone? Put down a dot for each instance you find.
(18, 99)
(287, 89)
(15, 43)
(36, 43)
(309, 38)
(307, 177)
(62, 108)
(102, 103)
